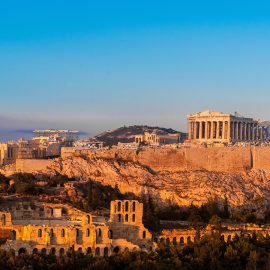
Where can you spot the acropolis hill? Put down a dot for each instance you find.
(208, 165)
(183, 175)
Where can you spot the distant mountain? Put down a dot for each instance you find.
(127, 134)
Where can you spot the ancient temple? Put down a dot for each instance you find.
(218, 127)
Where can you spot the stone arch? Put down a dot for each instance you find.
(126, 206)
(126, 217)
(189, 240)
(133, 206)
(44, 251)
(88, 250)
(52, 251)
(144, 234)
(22, 250)
(110, 234)
(116, 249)
(39, 233)
(174, 241)
(182, 241)
(97, 251)
(61, 252)
(3, 219)
(229, 238)
(87, 232)
(13, 235)
(63, 232)
(80, 250)
(35, 251)
(77, 232)
(119, 206)
(99, 232)
(51, 232)
(119, 217)
(88, 219)
(133, 218)
(106, 252)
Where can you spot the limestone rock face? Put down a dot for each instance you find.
(182, 187)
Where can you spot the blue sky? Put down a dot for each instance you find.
(96, 65)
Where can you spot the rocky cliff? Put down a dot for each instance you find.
(184, 175)
(182, 187)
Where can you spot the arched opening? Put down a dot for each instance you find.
(87, 232)
(52, 251)
(119, 206)
(116, 250)
(126, 218)
(162, 240)
(44, 251)
(77, 232)
(88, 219)
(188, 239)
(110, 234)
(80, 250)
(61, 252)
(134, 206)
(88, 250)
(51, 233)
(126, 206)
(144, 234)
(13, 235)
(168, 241)
(35, 251)
(126, 249)
(182, 242)
(174, 241)
(3, 220)
(63, 233)
(106, 252)
(119, 218)
(97, 251)
(99, 232)
(39, 233)
(229, 238)
(133, 218)
(22, 251)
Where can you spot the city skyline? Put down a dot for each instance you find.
(99, 66)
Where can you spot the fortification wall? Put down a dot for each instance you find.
(32, 165)
(220, 159)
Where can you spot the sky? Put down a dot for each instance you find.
(98, 65)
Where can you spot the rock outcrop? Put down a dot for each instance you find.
(182, 187)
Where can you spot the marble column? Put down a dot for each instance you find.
(245, 131)
(200, 130)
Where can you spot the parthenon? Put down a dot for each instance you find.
(218, 127)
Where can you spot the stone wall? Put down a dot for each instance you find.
(32, 165)
(220, 159)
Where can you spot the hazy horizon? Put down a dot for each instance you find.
(95, 66)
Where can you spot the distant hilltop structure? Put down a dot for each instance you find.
(157, 138)
(219, 127)
(46, 143)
